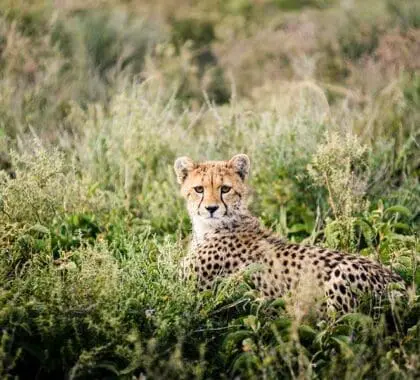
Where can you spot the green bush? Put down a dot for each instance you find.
(298, 4)
(201, 33)
(406, 12)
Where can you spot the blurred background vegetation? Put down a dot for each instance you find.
(98, 97)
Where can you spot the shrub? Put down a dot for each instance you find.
(46, 208)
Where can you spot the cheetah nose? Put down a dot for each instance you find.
(212, 209)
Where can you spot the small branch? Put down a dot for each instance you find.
(330, 197)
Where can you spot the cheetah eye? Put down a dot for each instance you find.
(199, 189)
(225, 189)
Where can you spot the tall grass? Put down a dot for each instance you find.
(94, 108)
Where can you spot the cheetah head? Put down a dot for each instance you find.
(215, 191)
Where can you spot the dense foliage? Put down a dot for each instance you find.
(97, 99)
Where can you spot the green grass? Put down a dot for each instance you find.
(95, 107)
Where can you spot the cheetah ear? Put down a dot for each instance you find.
(241, 164)
(182, 166)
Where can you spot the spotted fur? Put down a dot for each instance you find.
(227, 239)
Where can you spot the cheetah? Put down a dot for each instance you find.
(227, 238)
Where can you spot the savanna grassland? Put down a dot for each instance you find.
(97, 99)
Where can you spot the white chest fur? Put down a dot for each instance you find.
(200, 228)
